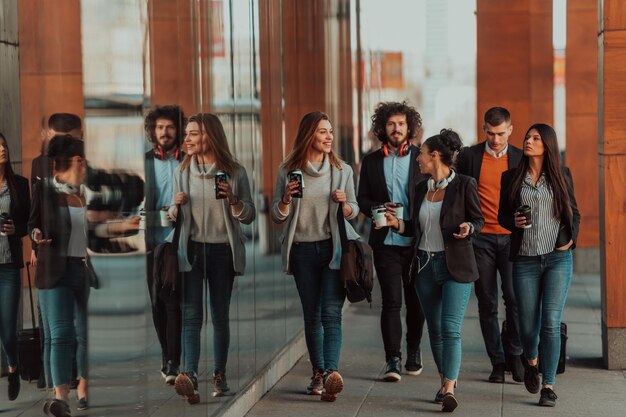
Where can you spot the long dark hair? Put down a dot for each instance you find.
(551, 167)
(218, 144)
(9, 175)
(297, 158)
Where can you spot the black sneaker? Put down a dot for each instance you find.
(333, 385)
(438, 397)
(14, 385)
(449, 402)
(531, 378)
(186, 385)
(392, 372)
(59, 408)
(548, 398)
(41, 381)
(171, 372)
(497, 374)
(517, 368)
(220, 386)
(82, 404)
(413, 365)
(317, 383)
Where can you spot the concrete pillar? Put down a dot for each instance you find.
(515, 62)
(180, 54)
(612, 162)
(10, 125)
(50, 67)
(581, 156)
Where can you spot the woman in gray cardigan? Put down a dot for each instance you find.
(210, 235)
(306, 201)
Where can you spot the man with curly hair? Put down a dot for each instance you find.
(164, 126)
(388, 177)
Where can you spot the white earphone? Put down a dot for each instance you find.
(442, 183)
(64, 187)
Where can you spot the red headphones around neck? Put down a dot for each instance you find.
(159, 154)
(403, 151)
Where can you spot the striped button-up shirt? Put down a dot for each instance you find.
(5, 206)
(541, 237)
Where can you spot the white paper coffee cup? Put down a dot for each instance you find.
(165, 220)
(379, 217)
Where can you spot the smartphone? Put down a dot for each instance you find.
(220, 177)
(296, 175)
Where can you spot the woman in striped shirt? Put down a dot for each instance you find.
(541, 250)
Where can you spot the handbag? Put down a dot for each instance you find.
(90, 273)
(357, 265)
(29, 342)
(167, 274)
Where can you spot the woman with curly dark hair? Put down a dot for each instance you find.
(446, 214)
(58, 226)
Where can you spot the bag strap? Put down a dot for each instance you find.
(177, 226)
(341, 223)
(30, 293)
(342, 228)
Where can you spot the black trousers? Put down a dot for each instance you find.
(390, 262)
(492, 257)
(167, 318)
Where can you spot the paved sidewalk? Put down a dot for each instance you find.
(585, 389)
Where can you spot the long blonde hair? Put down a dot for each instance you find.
(297, 158)
(218, 145)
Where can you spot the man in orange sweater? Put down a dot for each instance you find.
(485, 162)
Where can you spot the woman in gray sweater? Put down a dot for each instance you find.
(213, 193)
(311, 247)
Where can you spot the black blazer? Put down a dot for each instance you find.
(373, 189)
(19, 209)
(470, 159)
(50, 214)
(41, 168)
(568, 229)
(460, 204)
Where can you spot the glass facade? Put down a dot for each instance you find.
(259, 66)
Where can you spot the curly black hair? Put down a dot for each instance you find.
(170, 112)
(448, 143)
(385, 110)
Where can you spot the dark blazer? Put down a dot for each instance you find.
(50, 214)
(373, 189)
(569, 222)
(41, 169)
(19, 209)
(460, 204)
(470, 159)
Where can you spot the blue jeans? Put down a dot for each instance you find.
(215, 262)
(322, 295)
(9, 304)
(64, 315)
(444, 302)
(541, 285)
